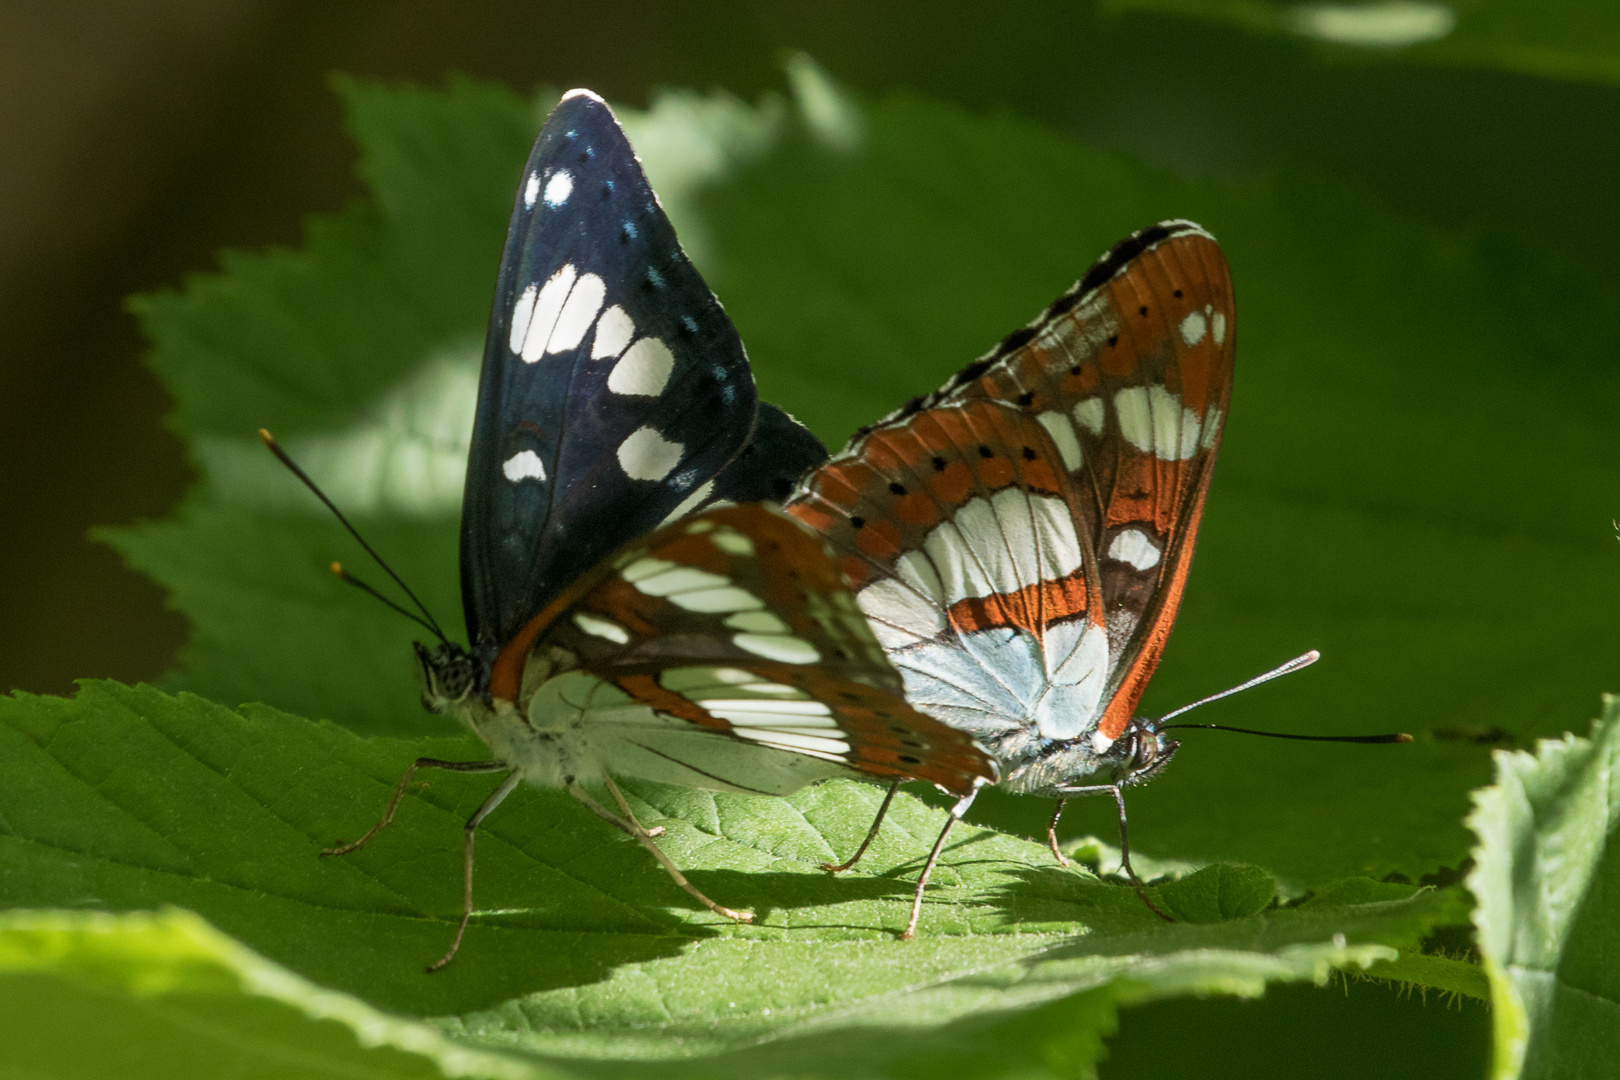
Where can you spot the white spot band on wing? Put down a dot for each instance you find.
(1193, 328)
(1068, 446)
(1152, 420)
(647, 455)
(531, 190)
(780, 647)
(674, 580)
(524, 465)
(725, 598)
(535, 313)
(643, 369)
(1135, 547)
(817, 745)
(1011, 541)
(602, 628)
(757, 622)
(1089, 415)
(577, 314)
(559, 187)
(732, 542)
(614, 329)
(699, 496)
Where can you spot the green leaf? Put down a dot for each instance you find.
(584, 956)
(1547, 880)
(87, 994)
(1562, 39)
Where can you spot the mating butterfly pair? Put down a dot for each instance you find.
(1018, 540)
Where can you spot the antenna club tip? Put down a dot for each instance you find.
(1403, 737)
(336, 568)
(1313, 656)
(269, 439)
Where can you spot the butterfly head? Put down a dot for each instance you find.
(449, 676)
(1145, 751)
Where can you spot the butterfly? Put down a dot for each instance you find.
(624, 618)
(1020, 538)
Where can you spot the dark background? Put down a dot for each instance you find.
(139, 138)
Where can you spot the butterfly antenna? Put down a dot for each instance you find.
(426, 618)
(1296, 664)
(349, 579)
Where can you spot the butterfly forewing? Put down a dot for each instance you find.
(613, 388)
(736, 629)
(1021, 536)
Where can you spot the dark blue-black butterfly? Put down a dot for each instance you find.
(633, 607)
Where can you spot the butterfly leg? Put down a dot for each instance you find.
(1051, 834)
(957, 813)
(870, 833)
(647, 842)
(399, 793)
(1124, 841)
(629, 815)
(467, 836)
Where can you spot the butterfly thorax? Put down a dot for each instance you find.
(1056, 767)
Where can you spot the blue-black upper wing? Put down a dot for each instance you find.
(779, 453)
(614, 387)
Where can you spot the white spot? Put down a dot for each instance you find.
(1135, 423)
(647, 455)
(1339, 941)
(817, 745)
(1218, 323)
(758, 622)
(698, 528)
(733, 542)
(1009, 542)
(602, 628)
(535, 313)
(522, 315)
(1089, 415)
(1057, 425)
(1100, 742)
(690, 503)
(1194, 327)
(909, 610)
(644, 369)
(645, 568)
(558, 188)
(1135, 547)
(765, 713)
(577, 314)
(1389, 25)
(1152, 420)
(524, 465)
(728, 598)
(781, 647)
(613, 332)
(531, 190)
(677, 579)
(1212, 428)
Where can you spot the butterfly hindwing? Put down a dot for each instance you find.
(613, 387)
(734, 626)
(1021, 536)
(780, 452)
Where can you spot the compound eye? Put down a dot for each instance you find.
(1147, 751)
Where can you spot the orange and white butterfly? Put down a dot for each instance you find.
(1020, 538)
